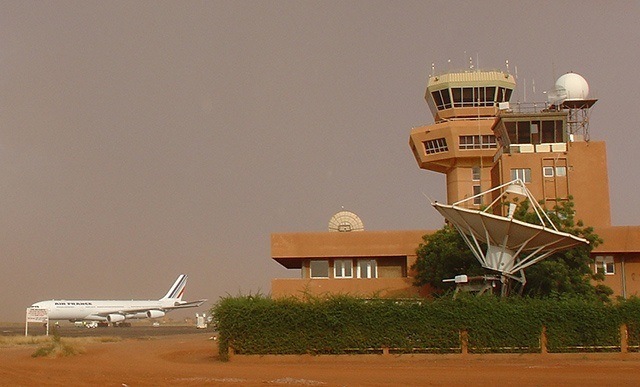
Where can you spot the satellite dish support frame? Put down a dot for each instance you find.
(516, 259)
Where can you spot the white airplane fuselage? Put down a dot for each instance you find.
(115, 311)
(99, 310)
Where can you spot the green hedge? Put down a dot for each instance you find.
(341, 324)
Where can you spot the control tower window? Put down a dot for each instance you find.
(552, 131)
(484, 96)
(442, 99)
(504, 95)
(467, 96)
(535, 132)
(473, 96)
(489, 96)
(456, 92)
(486, 141)
(436, 146)
(437, 98)
(524, 132)
(446, 98)
(519, 132)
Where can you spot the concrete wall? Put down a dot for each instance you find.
(381, 287)
(587, 179)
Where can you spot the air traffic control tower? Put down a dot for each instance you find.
(481, 139)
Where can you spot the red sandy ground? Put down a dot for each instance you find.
(191, 360)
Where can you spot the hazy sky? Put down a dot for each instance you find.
(140, 140)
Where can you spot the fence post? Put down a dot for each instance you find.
(543, 341)
(624, 338)
(464, 341)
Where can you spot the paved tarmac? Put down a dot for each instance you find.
(135, 331)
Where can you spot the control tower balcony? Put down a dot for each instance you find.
(443, 146)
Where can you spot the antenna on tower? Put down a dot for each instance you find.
(533, 86)
(507, 63)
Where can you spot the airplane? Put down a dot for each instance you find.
(117, 311)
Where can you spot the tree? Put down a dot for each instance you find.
(444, 254)
(568, 271)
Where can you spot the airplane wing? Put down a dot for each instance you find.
(176, 305)
(185, 304)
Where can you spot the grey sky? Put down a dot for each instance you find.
(139, 140)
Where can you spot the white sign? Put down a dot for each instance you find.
(37, 315)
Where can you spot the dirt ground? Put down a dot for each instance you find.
(190, 358)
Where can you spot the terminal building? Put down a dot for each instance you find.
(480, 139)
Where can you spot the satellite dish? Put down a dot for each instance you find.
(345, 221)
(511, 245)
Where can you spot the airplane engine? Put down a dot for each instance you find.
(155, 313)
(114, 318)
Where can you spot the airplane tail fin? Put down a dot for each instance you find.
(176, 291)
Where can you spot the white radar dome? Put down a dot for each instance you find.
(572, 86)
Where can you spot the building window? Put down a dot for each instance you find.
(550, 171)
(475, 173)
(319, 269)
(523, 174)
(477, 200)
(436, 146)
(367, 268)
(487, 141)
(605, 265)
(343, 268)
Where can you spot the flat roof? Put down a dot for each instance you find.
(618, 239)
(290, 249)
